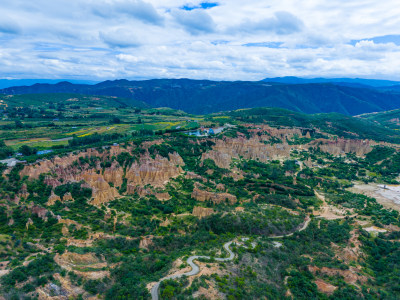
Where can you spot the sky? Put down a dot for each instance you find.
(217, 40)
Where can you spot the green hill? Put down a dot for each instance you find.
(203, 97)
(338, 124)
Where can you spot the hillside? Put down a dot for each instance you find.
(69, 101)
(202, 97)
(356, 82)
(26, 120)
(5, 83)
(389, 119)
(267, 208)
(333, 123)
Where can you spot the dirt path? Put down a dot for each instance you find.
(330, 212)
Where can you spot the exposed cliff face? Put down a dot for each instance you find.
(58, 164)
(253, 148)
(280, 133)
(141, 191)
(53, 199)
(24, 191)
(220, 187)
(201, 195)
(101, 190)
(192, 175)
(163, 196)
(52, 181)
(155, 172)
(202, 212)
(41, 212)
(66, 223)
(114, 174)
(55, 165)
(67, 169)
(67, 197)
(146, 242)
(341, 146)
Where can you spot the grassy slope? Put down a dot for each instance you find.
(388, 119)
(43, 100)
(341, 125)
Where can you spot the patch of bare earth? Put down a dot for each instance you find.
(374, 191)
(350, 276)
(85, 265)
(64, 291)
(352, 251)
(325, 287)
(208, 293)
(330, 212)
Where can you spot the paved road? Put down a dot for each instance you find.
(305, 225)
(196, 269)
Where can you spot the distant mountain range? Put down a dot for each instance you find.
(355, 82)
(5, 83)
(203, 96)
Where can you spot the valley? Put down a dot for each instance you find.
(122, 202)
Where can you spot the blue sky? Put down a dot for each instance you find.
(221, 40)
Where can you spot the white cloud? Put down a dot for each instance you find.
(9, 26)
(194, 21)
(120, 38)
(281, 23)
(138, 9)
(106, 39)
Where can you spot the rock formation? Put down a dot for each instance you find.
(57, 164)
(220, 187)
(102, 192)
(224, 150)
(24, 191)
(141, 191)
(41, 212)
(342, 146)
(114, 174)
(28, 223)
(163, 196)
(201, 195)
(202, 212)
(155, 172)
(145, 242)
(53, 199)
(192, 175)
(67, 197)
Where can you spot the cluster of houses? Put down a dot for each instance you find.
(202, 132)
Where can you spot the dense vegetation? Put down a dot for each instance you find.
(202, 96)
(53, 236)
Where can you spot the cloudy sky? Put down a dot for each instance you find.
(224, 40)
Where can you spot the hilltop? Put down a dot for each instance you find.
(203, 97)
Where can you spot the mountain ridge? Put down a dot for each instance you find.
(360, 82)
(205, 96)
